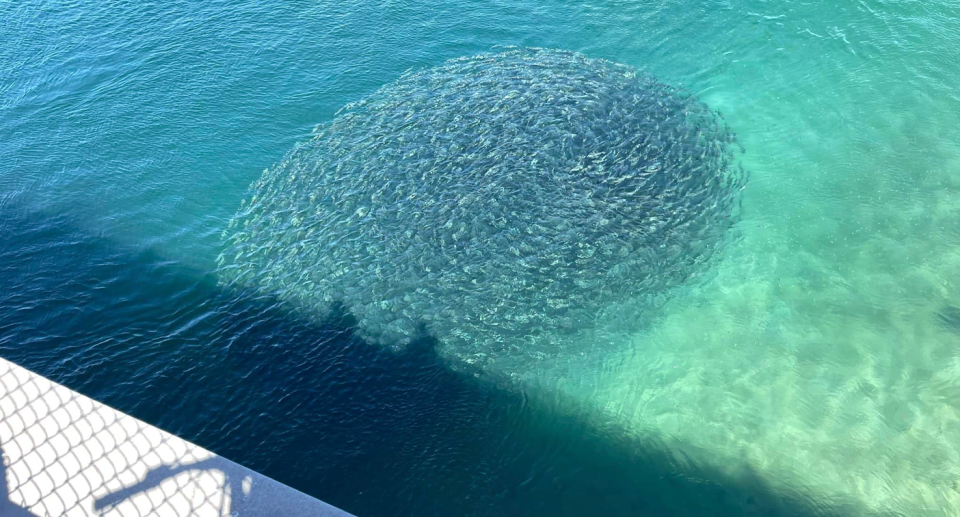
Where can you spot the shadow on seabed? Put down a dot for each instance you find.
(362, 428)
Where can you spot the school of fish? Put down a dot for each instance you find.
(495, 202)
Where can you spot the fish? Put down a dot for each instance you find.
(949, 318)
(490, 201)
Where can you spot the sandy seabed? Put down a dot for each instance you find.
(825, 353)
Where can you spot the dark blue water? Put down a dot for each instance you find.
(374, 432)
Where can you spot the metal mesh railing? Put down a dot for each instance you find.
(65, 454)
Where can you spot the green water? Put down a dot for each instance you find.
(824, 354)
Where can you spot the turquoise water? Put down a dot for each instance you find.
(817, 372)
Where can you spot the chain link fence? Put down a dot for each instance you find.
(67, 455)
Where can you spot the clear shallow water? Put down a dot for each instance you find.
(818, 371)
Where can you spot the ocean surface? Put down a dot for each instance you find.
(817, 372)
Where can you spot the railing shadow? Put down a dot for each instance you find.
(364, 429)
(65, 454)
(62, 451)
(158, 475)
(7, 507)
